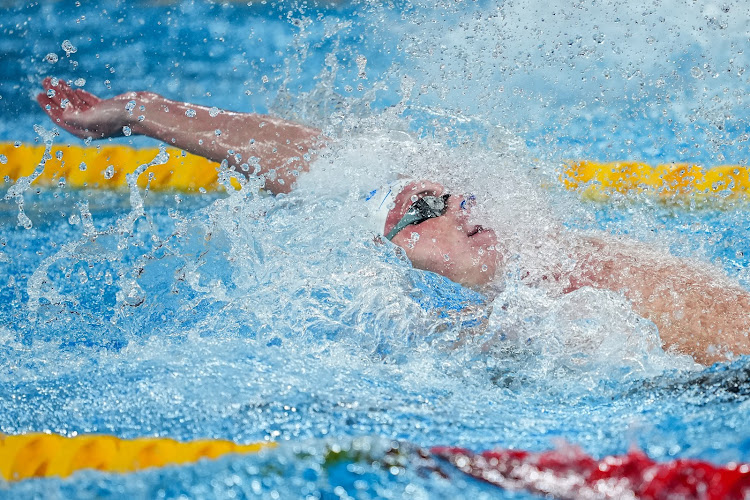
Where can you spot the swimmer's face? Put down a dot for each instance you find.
(449, 244)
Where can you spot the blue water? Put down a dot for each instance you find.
(218, 316)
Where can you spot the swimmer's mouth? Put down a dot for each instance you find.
(475, 230)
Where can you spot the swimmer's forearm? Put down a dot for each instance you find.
(250, 143)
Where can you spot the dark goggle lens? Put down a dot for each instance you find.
(424, 208)
(429, 207)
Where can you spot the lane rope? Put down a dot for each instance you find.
(105, 166)
(671, 183)
(45, 455)
(566, 473)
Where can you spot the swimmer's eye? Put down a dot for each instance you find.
(427, 207)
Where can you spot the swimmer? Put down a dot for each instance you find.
(697, 309)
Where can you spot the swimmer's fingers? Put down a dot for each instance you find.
(58, 95)
(52, 107)
(49, 98)
(79, 112)
(102, 119)
(77, 99)
(65, 96)
(67, 119)
(84, 99)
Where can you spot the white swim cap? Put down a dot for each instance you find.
(380, 201)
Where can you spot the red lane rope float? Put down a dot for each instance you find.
(44, 455)
(570, 474)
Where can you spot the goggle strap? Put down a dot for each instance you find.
(407, 220)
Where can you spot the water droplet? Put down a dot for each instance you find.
(82, 167)
(109, 172)
(74, 219)
(23, 220)
(51, 93)
(64, 103)
(190, 113)
(213, 112)
(59, 154)
(3, 159)
(61, 182)
(126, 131)
(361, 63)
(264, 79)
(51, 58)
(217, 132)
(80, 82)
(68, 47)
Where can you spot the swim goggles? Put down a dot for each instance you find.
(427, 207)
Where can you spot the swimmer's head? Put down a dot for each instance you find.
(433, 228)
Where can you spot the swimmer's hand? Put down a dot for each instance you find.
(83, 114)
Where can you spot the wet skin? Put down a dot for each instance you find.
(450, 244)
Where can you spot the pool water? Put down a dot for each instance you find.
(235, 315)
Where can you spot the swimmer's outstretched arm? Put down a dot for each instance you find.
(277, 149)
(697, 309)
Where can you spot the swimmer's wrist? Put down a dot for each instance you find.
(135, 107)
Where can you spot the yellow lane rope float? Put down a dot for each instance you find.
(677, 183)
(106, 166)
(45, 455)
